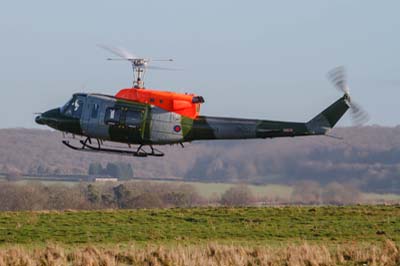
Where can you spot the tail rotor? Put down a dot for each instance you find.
(339, 79)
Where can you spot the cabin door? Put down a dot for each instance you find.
(94, 125)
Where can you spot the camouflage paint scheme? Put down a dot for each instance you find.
(137, 123)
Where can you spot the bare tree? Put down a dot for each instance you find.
(12, 173)
(239, 195)
(30, 196)
(306, 192)
(147, 201)
(64, 197)
(339, 194)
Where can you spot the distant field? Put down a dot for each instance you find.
(271, 191)
(375, 196)
(209, 189)
(267, 225)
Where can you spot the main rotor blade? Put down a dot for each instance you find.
(162, 68)
(119, 51)
(163, 60)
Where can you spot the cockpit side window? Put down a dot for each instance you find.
(69, 109)
(65, 106)
(95, 110)
(73, 108)
(77, 108)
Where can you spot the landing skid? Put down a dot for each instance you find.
(140, 152)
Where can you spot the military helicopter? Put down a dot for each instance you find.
(145, 117)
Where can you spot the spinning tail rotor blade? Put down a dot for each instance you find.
(358, 115)
(339, 79)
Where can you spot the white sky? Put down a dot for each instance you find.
(255, 59)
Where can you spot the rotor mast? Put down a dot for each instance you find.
(139, 70)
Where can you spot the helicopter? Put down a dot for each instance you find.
(142, 118)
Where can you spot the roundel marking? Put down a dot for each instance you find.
(177, 128)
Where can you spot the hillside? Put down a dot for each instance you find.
(368, 157)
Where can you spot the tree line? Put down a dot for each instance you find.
(132, 195)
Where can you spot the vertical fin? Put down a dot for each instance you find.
(328, 118)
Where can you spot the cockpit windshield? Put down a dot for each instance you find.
(65, 106)
(73, 108)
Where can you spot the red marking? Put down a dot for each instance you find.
(177, 128)
(179, 103)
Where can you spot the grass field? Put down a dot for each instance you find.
(223, 225)
(293, 236)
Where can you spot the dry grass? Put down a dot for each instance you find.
(387, 254)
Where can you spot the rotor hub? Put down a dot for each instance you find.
(139, 62)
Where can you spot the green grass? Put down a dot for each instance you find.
(240, 225)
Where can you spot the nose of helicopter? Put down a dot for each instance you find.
(39, 120)
(49, 118)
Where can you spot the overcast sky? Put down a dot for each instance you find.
(255, 59)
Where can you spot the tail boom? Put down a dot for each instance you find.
(206, 128)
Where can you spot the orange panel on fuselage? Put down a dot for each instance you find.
(179, 103)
